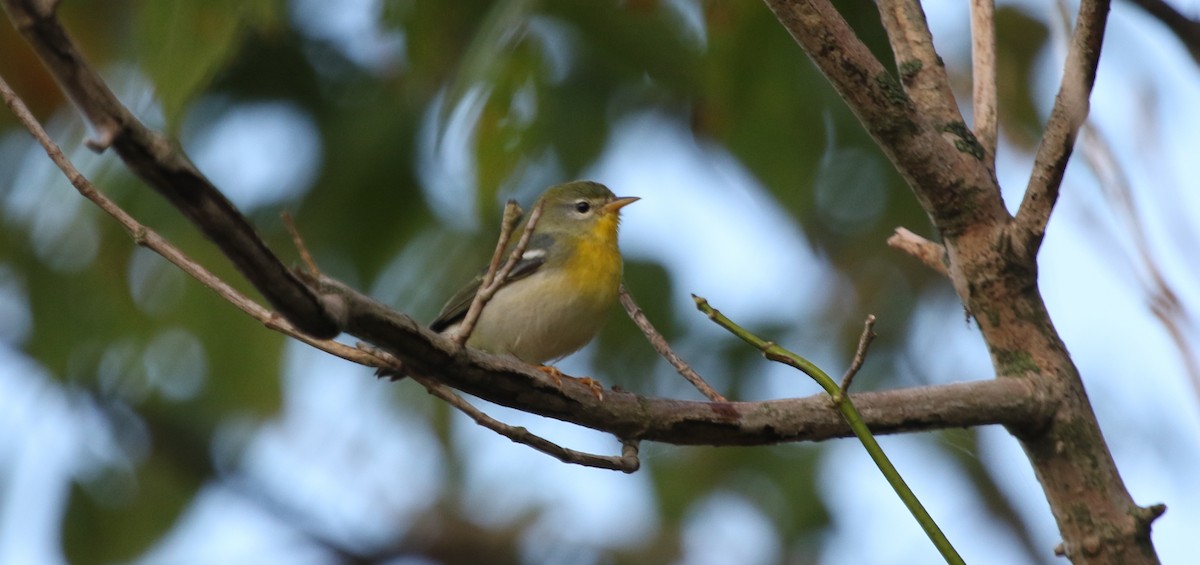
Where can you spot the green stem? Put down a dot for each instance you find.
(778, 354)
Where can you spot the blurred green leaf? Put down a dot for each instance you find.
(118, 514)
(184, 43)
(1020, 40)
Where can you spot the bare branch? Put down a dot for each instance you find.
(1069, 112)
(626, 463)
(932, 254)
(921, 69)
(860, 354)
(486, 289)
(983, 73)
(664, 349)
(940, 160)
(298, 241)
(508, 382)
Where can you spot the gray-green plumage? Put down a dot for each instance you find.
(559, 293)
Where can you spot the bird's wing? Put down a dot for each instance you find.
(456, 308)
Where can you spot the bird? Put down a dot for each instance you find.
(557, 296)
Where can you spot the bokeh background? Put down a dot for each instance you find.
(144, 420)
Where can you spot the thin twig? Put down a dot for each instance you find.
(932, 254)
(853, 418)
(983, 73)
(497, 275)
(627, 462)
(629, 453)
(860, 354)
(1069, 112)
(659, 343)
(298, 241)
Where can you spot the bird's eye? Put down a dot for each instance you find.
(583, 206)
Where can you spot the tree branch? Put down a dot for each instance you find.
(983, 74)
(941, 162)
(514, 384)
(1041, 397)
(496, 273)
(932, 254)
(860, 354)
(837, 394)
(921, 69)
(992, 262)
(626, 463)
(659, 343)
(1069, 112)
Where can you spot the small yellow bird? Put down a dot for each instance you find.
(558, 295)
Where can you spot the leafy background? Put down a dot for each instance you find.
(142, 419)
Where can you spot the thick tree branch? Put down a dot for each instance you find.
(940, 161)
(510, 383)
(921, 69)
(1069, 112)
(992, 262)
(158, 162)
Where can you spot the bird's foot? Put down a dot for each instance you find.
(554, 374)
(594, 385)
(557, 376)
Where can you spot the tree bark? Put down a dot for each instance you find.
(992, 256)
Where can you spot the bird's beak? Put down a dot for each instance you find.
(619, 203)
